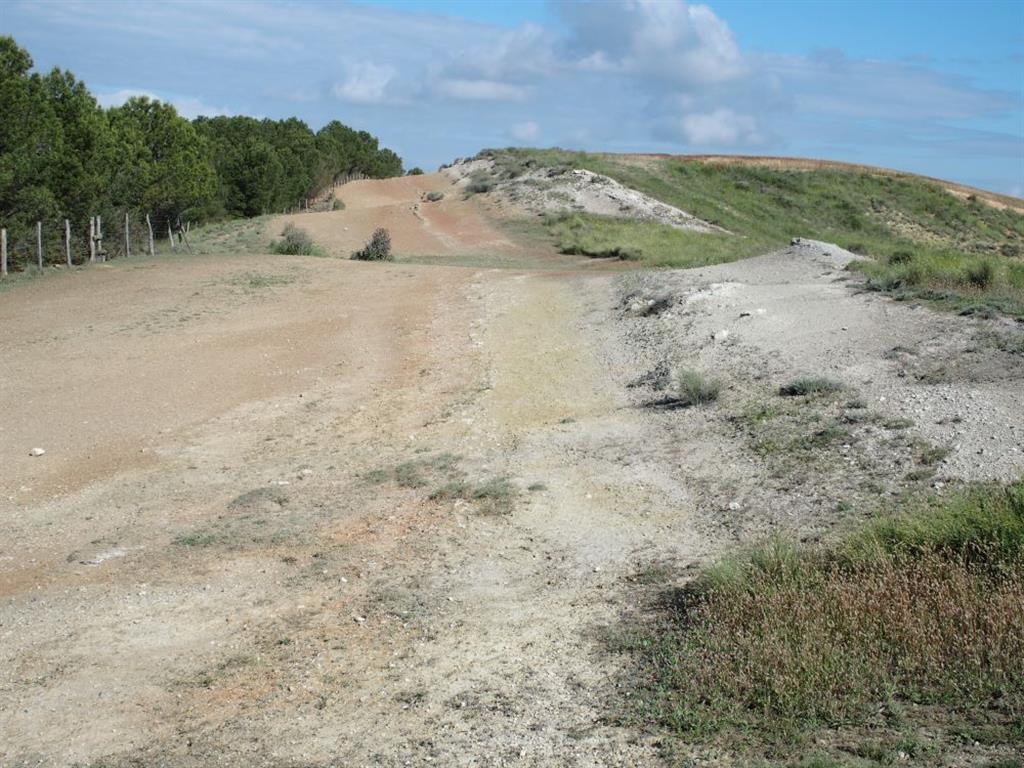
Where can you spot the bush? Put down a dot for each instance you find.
(338, 204)
(480, 182)
(294, 242)
(433, 197)
(416, 171)
(981, 274)
(378, 249)
(901, 256)
(694, 388)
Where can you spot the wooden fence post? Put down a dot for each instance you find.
(99, 239)
(92, 238)
(67, 241)
(127, 242)
(170, 235)
(39, 243)
(149, 225)
(3, 252)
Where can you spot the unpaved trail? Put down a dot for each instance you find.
(308, 512)
(418, 227)
(244, 593)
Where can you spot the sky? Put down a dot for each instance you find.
(930, 87)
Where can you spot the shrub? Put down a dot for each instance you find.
(809, 385)
(338, 204)
(378, 249)
(901, 256)
(694, 388)
(433, 197)
(981, 274)
(480, 182)
(294, 242)
(416, 171)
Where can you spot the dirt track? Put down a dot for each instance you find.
(229, 552)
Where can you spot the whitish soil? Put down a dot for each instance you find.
(225, 555)
(547, 190)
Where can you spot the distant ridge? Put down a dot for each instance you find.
(811, 164)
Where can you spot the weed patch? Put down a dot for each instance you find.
(923, 608)
(808, 386)
(694, 388)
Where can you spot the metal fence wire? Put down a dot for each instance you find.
(66, 241)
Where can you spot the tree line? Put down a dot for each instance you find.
(63, 155)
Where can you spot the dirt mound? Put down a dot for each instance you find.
(539, 190)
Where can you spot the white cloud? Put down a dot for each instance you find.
(722, 127)
(480, 90)
(117, 98)
(366, 83)
(673, 41)
(527, 131)
(187, 106)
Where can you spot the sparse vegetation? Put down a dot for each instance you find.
(494, 495)
(337, 204)
(378, 249)
(294, 242)
(809, 385)
(920, 608)
(694, 388)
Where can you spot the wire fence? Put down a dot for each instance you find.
(62, 242)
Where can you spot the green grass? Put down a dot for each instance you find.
(653, 244)
(231, 236)
(954, 252)
(913, 619)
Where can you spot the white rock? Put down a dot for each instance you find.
(721, 335)
(36, 452)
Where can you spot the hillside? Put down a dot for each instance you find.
(917, 238)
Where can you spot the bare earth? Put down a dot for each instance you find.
(229, 553)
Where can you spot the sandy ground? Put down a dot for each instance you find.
(230, 553)
(418, 227)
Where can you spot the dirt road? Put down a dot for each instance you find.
(302, 511)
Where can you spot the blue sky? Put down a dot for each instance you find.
(936, 88)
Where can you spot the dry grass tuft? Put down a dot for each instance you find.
(926, 608)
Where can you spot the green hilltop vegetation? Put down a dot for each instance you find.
(64, 156)
(920, 241)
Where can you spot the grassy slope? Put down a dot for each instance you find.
(943, 247)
